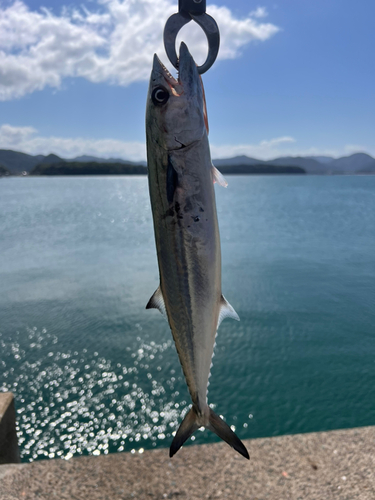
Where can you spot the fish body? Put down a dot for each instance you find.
(181, 184)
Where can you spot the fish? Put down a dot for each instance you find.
(181, 185)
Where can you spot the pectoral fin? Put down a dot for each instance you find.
(218, 177)
(157, 302)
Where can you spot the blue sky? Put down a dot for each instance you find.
(295, 77)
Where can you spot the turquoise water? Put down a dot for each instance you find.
(94, 372)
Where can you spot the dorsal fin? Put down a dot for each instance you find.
(218, 177)
(157, 302)
(226, 311)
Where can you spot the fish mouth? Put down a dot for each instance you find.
(173, 83)
(190, 85)
(188, 80)
(160, 68)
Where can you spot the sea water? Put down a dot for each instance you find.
(94, 372)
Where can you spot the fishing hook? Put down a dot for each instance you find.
(192, 10)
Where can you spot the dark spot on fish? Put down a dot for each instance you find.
(172, 181)
(188, 206)
(196, 218)
(201, 209)
(188, 226)
(177, 207)
(169, 213)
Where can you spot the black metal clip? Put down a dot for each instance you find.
(192, 10)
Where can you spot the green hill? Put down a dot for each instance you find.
(17, 162)
(261, 169)
(3, 171)
(88, 168)
(95, 168)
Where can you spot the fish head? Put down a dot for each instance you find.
(176, 110)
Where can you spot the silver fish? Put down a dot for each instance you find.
(181, 178)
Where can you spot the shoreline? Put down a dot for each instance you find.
(314, 466)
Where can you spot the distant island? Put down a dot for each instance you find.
(3, 171)
(17, 163)
(88, 168)
(96, 168)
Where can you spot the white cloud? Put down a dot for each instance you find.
(259, 12)
(355, 148)
(283, 146)
(13, 136)
(263, 150)
(27, 140)
(113, 43)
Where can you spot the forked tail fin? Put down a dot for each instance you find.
(191, 423)
(187, 428)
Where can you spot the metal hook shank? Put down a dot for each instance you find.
(208, 25)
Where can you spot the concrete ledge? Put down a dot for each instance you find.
(9, 452)
(319, 466)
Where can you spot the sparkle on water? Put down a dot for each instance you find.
(93, 372)
(77, 403)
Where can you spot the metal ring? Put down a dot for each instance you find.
(208, 25)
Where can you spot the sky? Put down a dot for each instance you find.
(293, 77)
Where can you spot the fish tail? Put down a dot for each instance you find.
(187, 428)
(193, 422)
(222, 429)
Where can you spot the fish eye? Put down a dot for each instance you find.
(160, 95)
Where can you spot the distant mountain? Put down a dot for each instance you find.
(86, 158)
(3, 171)
(237, 160)
(88, 168)
(359, 163)
(50, 159)
(261, 169)
(308, 165)
(321, 159)
(17, 162)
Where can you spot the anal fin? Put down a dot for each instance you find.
(157, 302)
(226, 311)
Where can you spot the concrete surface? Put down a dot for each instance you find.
(9, 452)
(328, 465)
